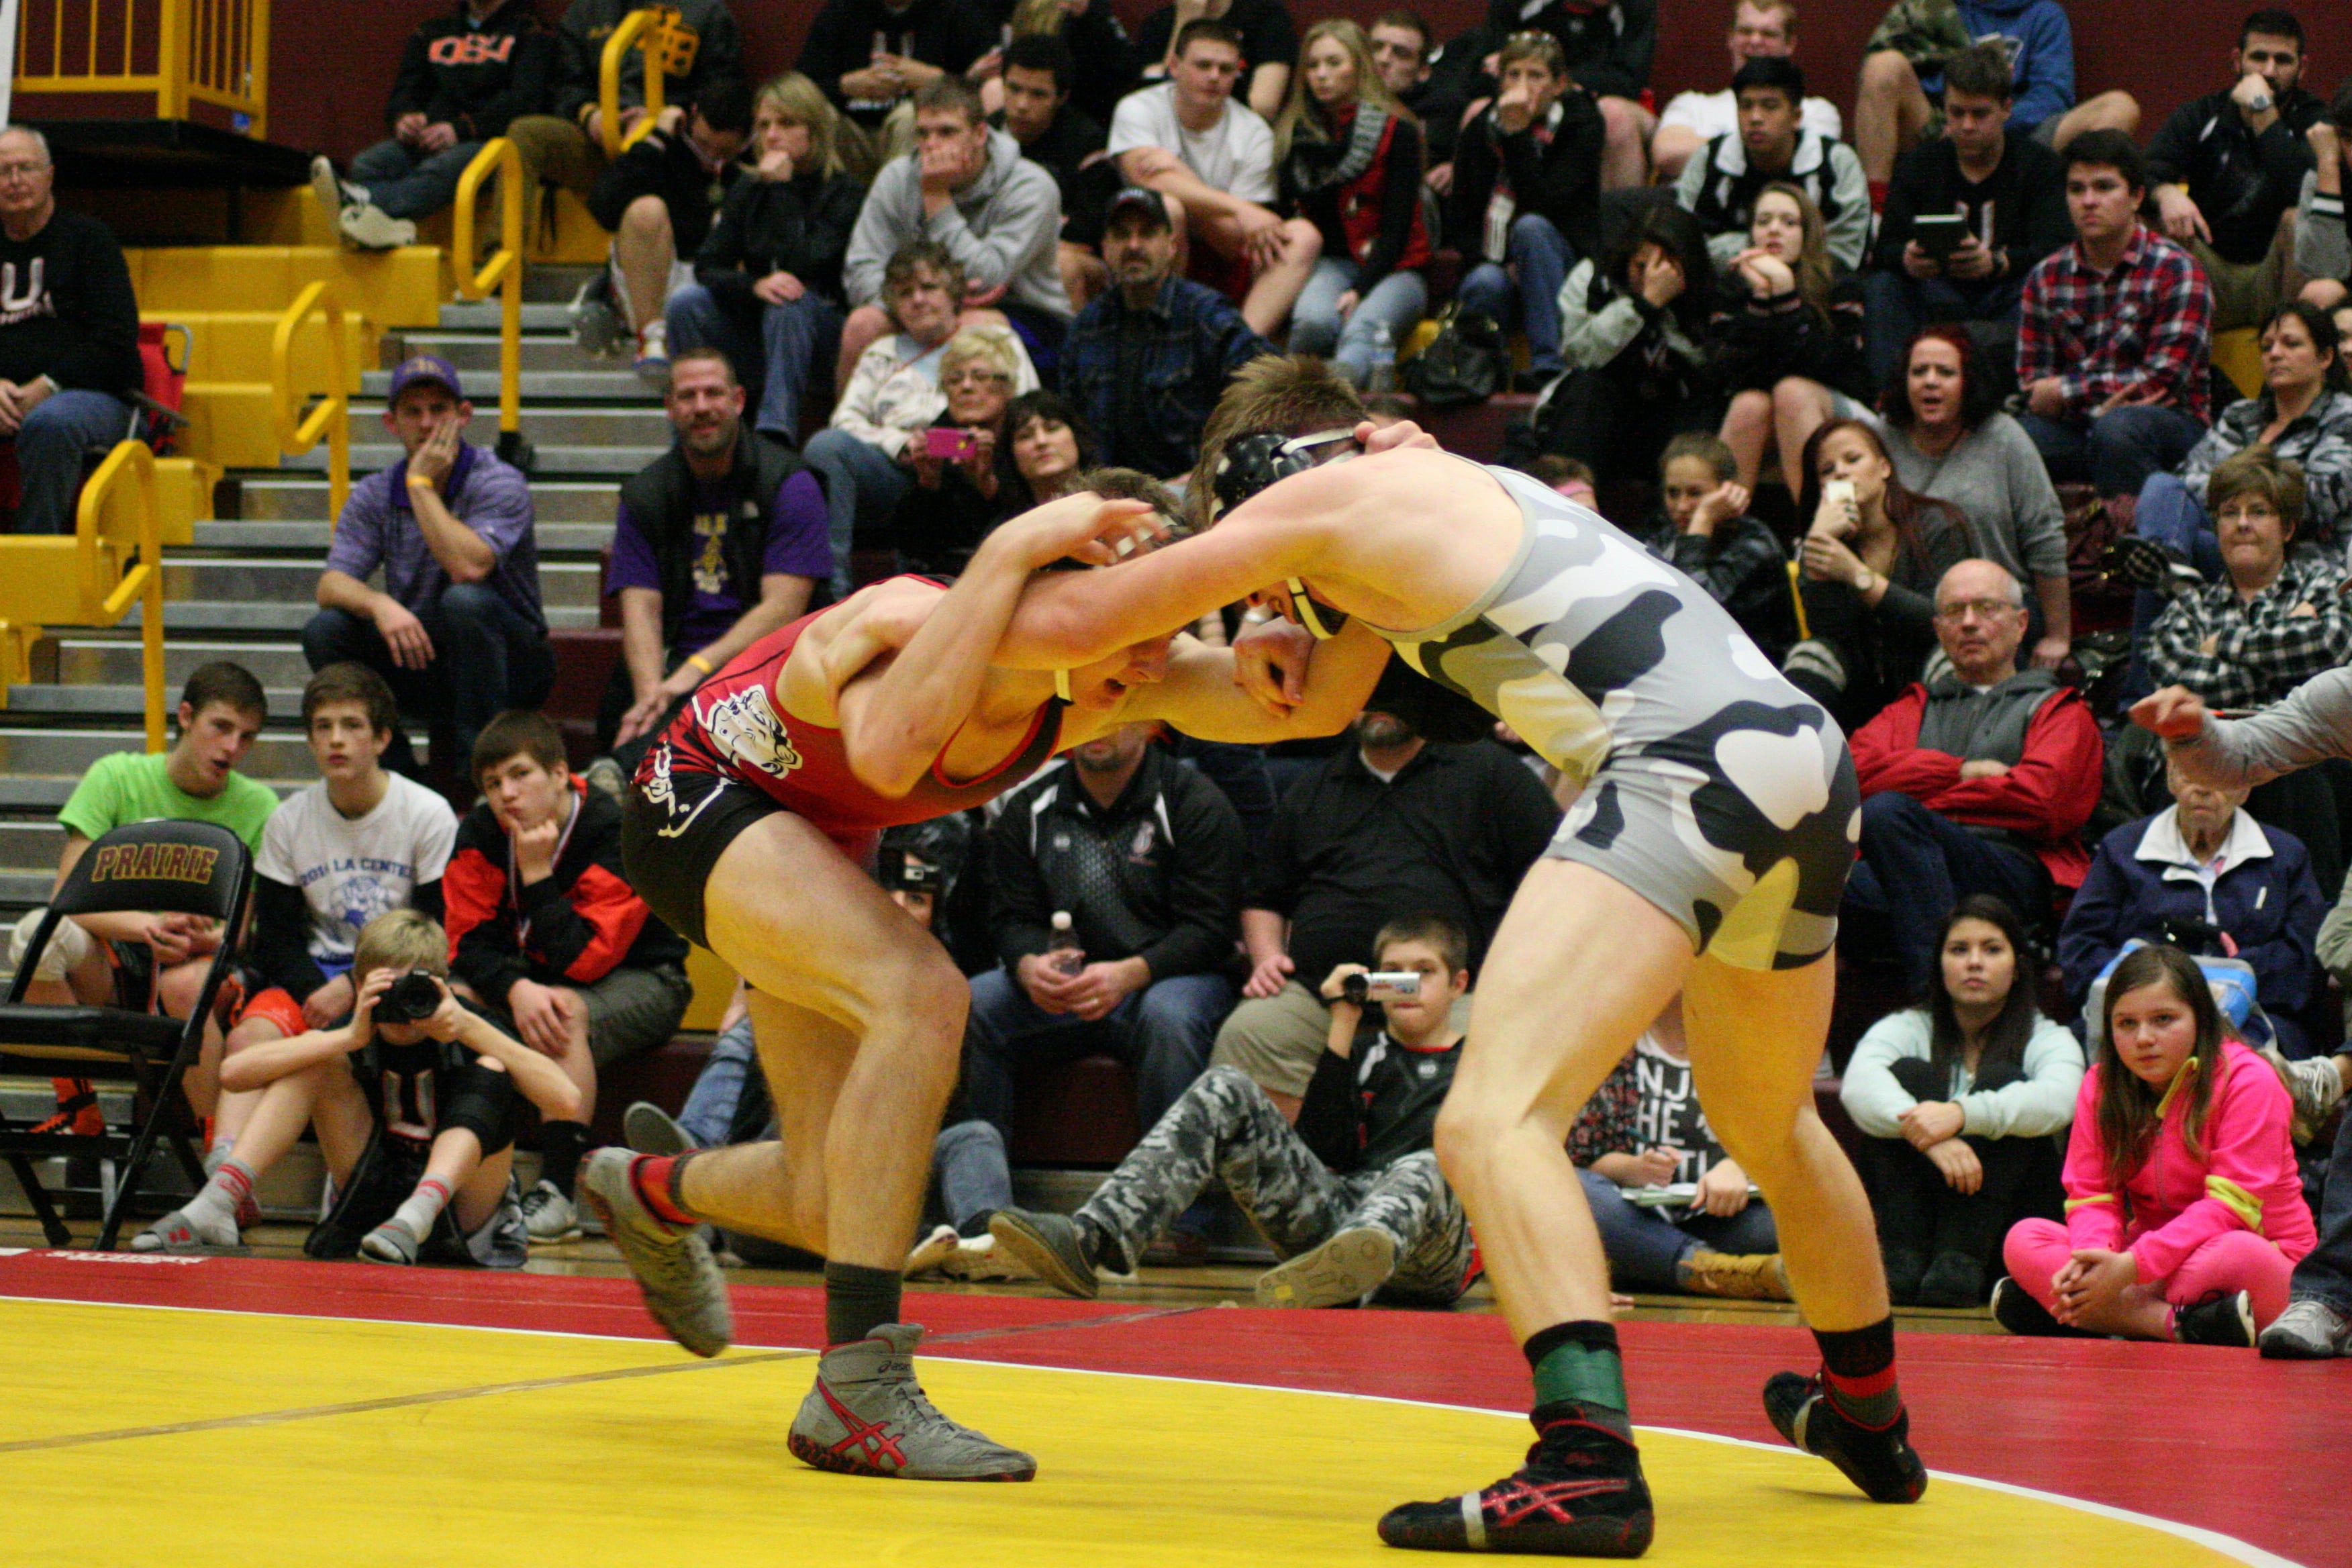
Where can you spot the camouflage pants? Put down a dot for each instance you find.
(1223, 1126)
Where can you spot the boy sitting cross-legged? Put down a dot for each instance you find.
(415, 1117)
(1351, 1196)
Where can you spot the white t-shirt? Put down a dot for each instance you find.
(1713, 114)
(1236, 155)
(351, 870)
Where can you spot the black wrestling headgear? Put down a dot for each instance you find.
(1256, 458)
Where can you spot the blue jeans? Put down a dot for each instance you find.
(1529, 292)
(1643, 1245)
(1163, 1031)
(409, 181)
(2118, 450)
(778, 356)
(486, 658)
(50, 447)
(860, 481)
(2325, 1274)
(1915, 865)
(710, 1111)
(1896, 305)
(974, 1176)
(1401, 300)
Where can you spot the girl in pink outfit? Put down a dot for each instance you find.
(2184, 1216)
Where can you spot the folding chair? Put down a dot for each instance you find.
(180, 867)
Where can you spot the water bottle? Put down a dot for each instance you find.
(1063, 953)
(1383, 376)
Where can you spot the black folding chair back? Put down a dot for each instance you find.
(174, 867)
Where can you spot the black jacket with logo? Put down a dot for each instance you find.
(477, 77)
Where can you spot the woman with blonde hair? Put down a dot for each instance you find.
(1350, 158)
(766, 290)
(1792, 357)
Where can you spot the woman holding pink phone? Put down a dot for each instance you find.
(954, 500)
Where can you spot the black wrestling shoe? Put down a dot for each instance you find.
(1581, 1494)
(2016, 1310)
(1880, 1462)
(2223, 1320)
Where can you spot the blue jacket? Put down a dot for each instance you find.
(2265, 898)
(2040, 44)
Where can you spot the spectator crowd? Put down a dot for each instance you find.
(1939, 414)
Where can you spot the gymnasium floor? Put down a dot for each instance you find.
(254, 1411)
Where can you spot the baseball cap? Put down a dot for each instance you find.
(425, 367)
(1140, 199)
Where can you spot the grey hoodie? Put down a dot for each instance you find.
(1002, 227)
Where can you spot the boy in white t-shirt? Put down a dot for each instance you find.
(1212, 160)
(1691, 120)
(358, 844)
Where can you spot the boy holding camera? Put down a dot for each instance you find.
(413, 1098)
(1351, 1197)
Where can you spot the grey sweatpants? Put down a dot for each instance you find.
(1224, 1126)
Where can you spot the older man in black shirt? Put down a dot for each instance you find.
(1394, 824)
(1145, 856)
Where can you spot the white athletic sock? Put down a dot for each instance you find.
(217, 1155)
(214, 1210)
(422, 1208)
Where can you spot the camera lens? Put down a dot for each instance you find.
(408, 1000)
(1354, 988)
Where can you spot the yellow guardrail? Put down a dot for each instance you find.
(109, 581)
(181, 51)
(502, 271)
(647, 32)
(297, 432)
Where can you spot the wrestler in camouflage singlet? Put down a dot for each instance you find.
(1713, 788)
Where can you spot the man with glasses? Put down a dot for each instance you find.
(68, 334)
(1978, 781)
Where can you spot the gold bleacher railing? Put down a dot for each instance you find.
(181, 51)
(109, 578)
(502, 271)
(647, 32)
(297, 432)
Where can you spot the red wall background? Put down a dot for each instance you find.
(333, 60)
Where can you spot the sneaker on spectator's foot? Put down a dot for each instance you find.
(653, 354)
(1581, 1494)
(606, 775)
(1880, 1462)
(596, 325)
(868, 1417)
(2016, 1310)
(926, 1256)
(390, 1242)
(180, 1231)
(1953, 1280)
(1904, 1270)
(548, 1216)
(675, 1273)
(2316, 1085)
(1342, 1271)
(370, 227)
(977, 1260)
(334, 193)
(2227, 1320)
(649, 1130)
(2309, 1330)
(1738, 1276)
(1051, 1244)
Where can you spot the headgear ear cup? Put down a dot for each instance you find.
(1257, 459)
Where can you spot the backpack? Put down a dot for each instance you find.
(1465, 363)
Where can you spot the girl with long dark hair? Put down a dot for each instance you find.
(1959, 1097)
(2185, 1214)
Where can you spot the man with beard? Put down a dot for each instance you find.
(1392, 823)
(1148, 359)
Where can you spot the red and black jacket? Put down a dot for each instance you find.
(572, 929)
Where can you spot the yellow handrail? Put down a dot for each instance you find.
(101, 556)
(502, 271)
(647, 32)
(298, 433)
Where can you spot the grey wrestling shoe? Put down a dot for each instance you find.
(548, 1216)
(868, 1417)
(649, 1130)
(2313, 1084)
(389, 1243)
(680, 1280)
(1052, 1245)
(1347, 1268)
(2308, 1330)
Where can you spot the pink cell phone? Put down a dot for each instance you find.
(948, 444)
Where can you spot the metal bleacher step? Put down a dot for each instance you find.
(292, 582)
(546, 428)
(538, 386)
(124, 701)
(202, 615)
(310, 539)
(483, 315)
(473, 352)
(113, 658)
(619, 462)
(59, 752)
(271, 495)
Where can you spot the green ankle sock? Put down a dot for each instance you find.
(1578, 1361)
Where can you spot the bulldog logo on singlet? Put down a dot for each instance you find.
(746, 728)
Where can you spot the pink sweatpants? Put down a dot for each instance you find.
(2239, 1261)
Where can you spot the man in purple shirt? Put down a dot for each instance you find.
(458, 630)
(719, 542)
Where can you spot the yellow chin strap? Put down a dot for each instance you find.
(1061, 685)
(1308, 616)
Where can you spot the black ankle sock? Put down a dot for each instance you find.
(560, 1145)
(1858, 1369)
(857, 1301)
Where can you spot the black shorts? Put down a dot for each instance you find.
(670, 848)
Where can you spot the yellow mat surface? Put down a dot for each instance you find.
(131, 1438)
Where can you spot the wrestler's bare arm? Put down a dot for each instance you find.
(1198, 697)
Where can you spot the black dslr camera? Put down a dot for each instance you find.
(411, 999)
(2196, 938)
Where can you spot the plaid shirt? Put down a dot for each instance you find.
(2320, 439)
(1147, 380)
(2148, 323)
(2251, 653)
(1606, 1125)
